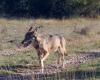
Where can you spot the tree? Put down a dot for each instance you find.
(49, 8)
(61, 8)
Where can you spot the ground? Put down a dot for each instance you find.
(83, 46)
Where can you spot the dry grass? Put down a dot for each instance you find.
(81, 34)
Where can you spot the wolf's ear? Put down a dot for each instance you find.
(30, 29)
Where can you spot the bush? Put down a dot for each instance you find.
(85, 31)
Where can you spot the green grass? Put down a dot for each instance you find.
(93, 64)
(20, 58)
(7, 72)
(81, 47)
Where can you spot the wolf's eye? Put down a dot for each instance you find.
(33, 38)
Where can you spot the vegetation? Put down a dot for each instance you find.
(82, 35)
(49, 8)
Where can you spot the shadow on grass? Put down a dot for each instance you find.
(91, 54)
(65, 75)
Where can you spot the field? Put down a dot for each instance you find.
(83, 43)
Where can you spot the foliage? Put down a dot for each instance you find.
(49, 8)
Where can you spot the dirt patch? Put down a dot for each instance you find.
(73, 60)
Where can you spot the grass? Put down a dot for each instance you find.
(7, 72)
(79, 39)
(18, 58)
(15, 30)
